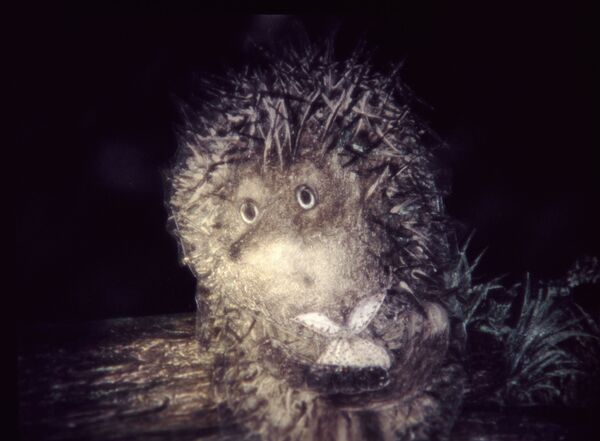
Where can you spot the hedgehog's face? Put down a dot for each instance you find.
(297, 250)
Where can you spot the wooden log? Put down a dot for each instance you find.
(135, 378)
(143, 379)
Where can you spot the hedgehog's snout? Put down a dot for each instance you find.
(307, 280)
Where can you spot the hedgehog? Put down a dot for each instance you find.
(307, 201)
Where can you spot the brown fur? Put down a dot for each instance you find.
(377, 231)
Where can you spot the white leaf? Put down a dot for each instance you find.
(364, 312)
(319, 323)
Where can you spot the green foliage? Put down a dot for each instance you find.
(528, 343)
(538, 359)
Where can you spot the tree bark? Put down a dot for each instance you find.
(135, 378)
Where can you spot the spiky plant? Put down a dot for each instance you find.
(460, 280)
(535, 350)
(526, 340)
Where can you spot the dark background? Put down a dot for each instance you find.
(512, 91)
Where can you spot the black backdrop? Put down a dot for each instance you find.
(512, 90)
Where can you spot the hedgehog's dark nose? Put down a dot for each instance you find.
(308, 281)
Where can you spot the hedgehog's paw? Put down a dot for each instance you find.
(355, 352)
(437, 317)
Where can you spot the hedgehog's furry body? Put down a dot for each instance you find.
(306, 203)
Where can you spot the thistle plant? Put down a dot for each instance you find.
(537, 350)
(526, 342)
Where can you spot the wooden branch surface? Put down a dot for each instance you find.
(135, 378)
(141, 379)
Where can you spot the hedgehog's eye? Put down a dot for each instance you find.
(249, 212)
(306, 197)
